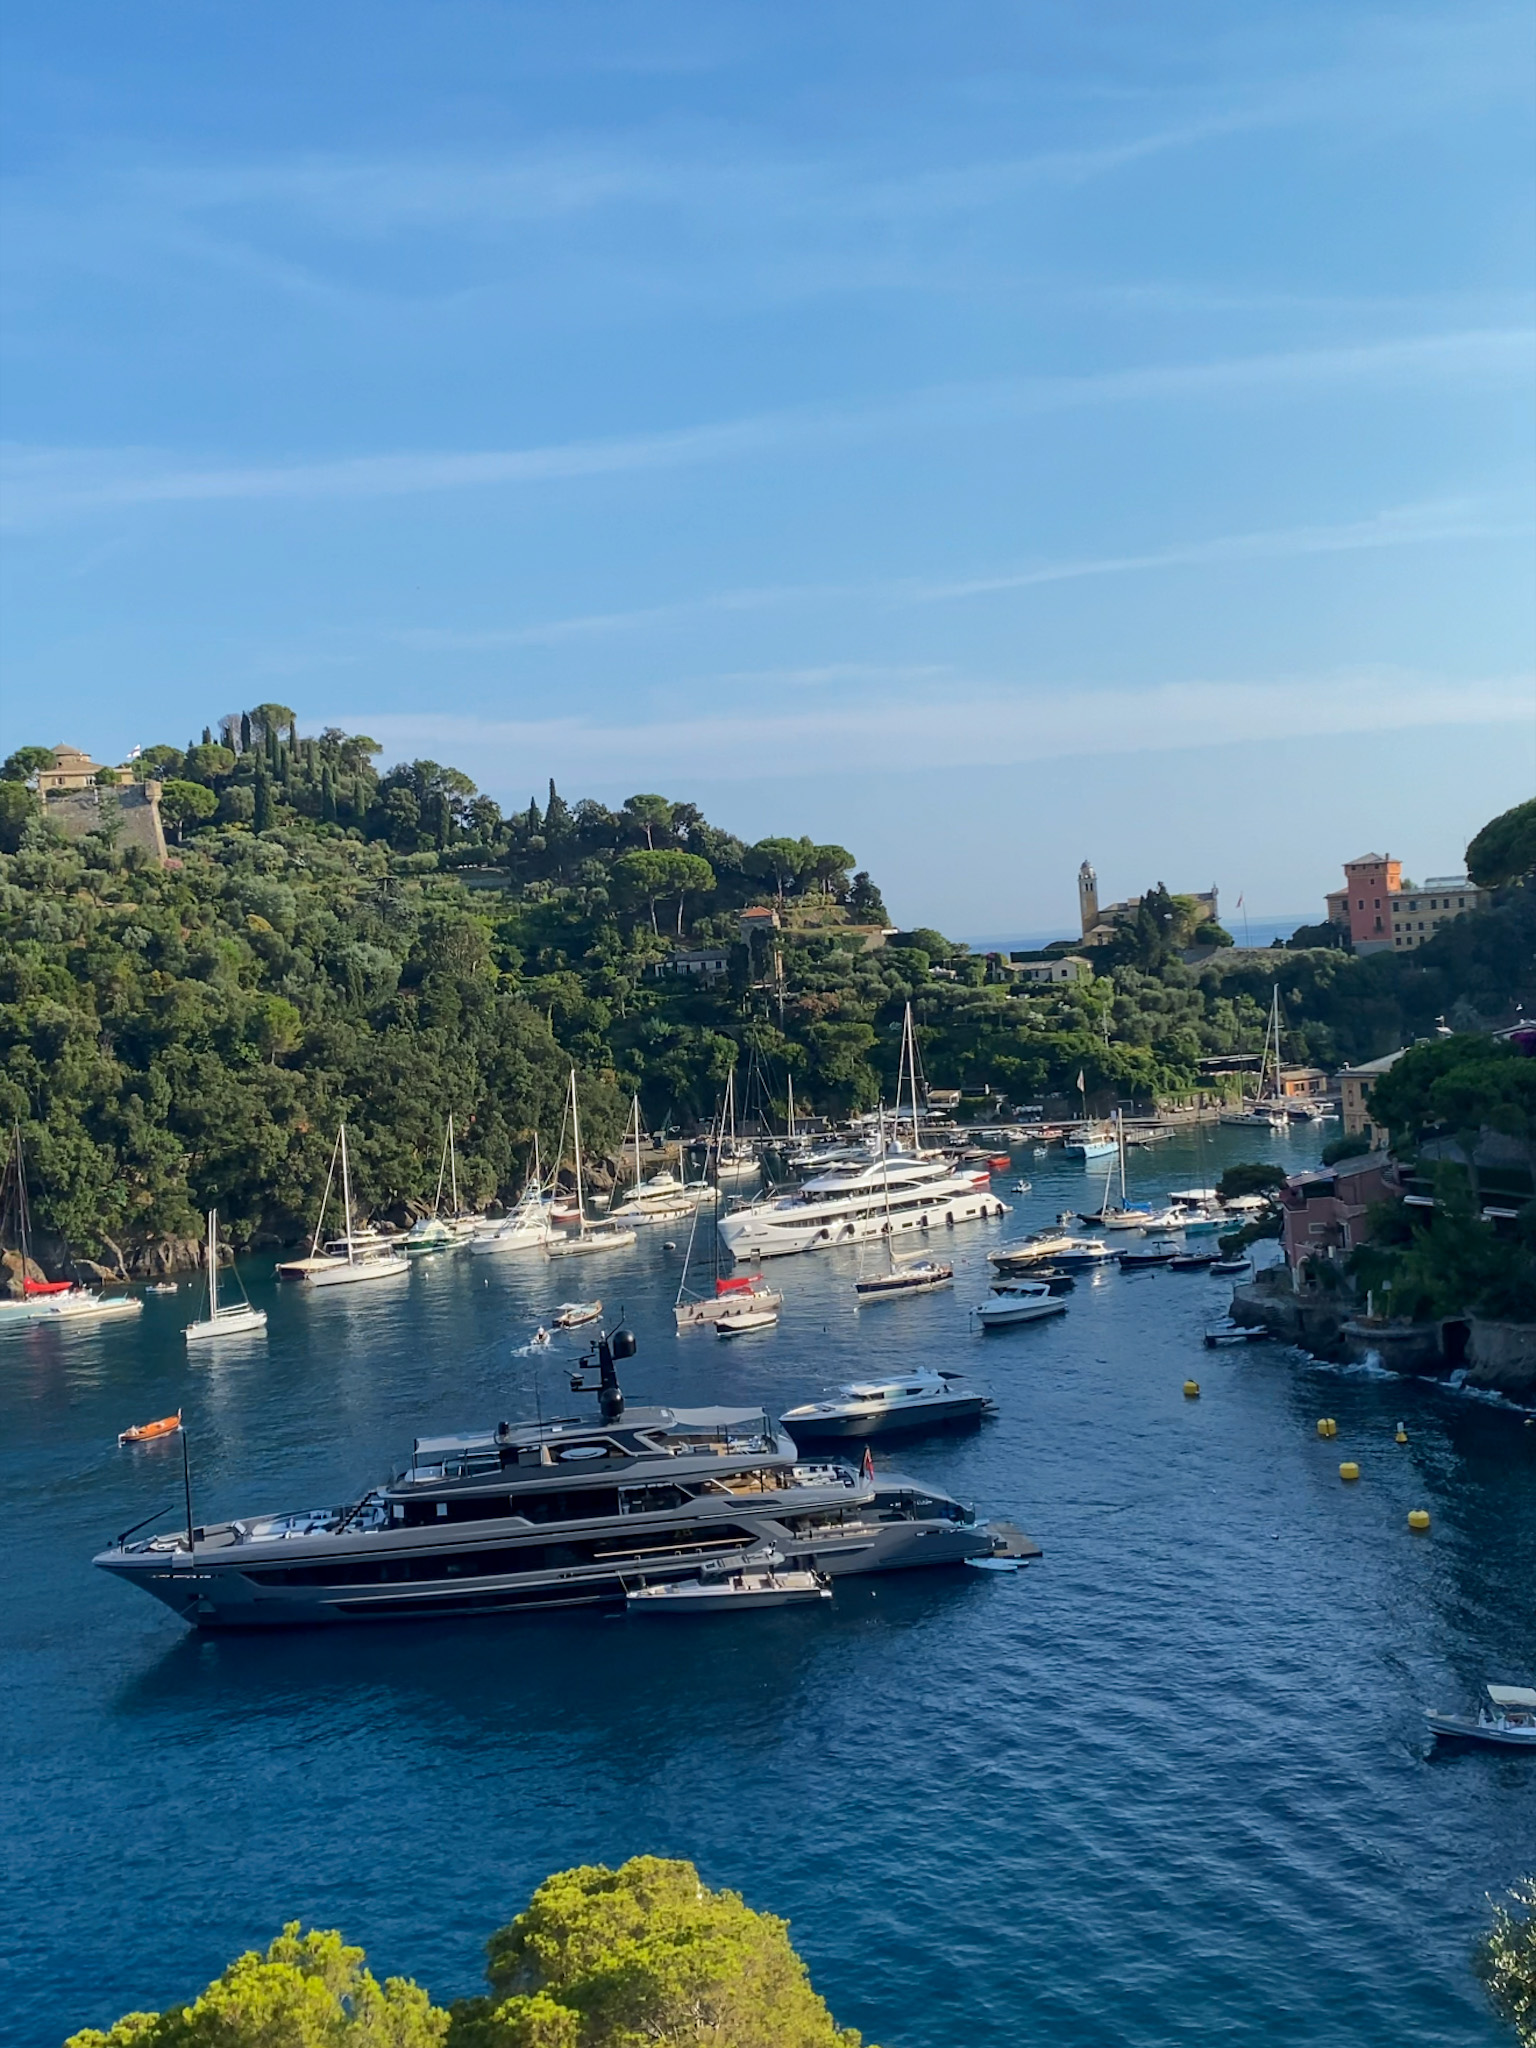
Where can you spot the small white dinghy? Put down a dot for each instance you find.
(760, 1582)
(1508, 1721)
(740, 1322)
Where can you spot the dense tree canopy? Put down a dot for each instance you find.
(644, 1954)
(307, 1991)
(334, 941)
(1505, 850)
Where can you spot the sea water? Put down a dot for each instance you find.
(1168, 1785)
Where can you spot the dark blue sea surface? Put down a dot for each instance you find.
(1170, 1785)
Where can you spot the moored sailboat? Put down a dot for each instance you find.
(239, 1319)
(601, 1235)
(356, 1256)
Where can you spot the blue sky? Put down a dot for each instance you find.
(986, 435)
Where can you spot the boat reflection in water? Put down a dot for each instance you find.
(553, 1514)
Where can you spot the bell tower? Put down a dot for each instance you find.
(1088, 896)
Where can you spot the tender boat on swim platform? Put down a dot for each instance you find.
(757, 1582)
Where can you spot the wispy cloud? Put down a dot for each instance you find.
(44, 484)
(961, 725)
(1439, 521)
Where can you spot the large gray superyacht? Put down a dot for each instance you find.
(566, 1513)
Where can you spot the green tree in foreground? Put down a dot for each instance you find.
(1251, 1177)
(1507, 1962)
(646, 1954)
(307, 1991)
(1505, 850)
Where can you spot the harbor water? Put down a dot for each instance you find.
(1168, 1785)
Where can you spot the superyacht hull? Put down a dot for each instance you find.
(211, 1590)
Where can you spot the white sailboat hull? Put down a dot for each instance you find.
(229, 1322)
(578, 1246)
(346, 1272)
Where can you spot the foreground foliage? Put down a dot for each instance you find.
(307, 1991)
(646, 1956)
(1507, 1961)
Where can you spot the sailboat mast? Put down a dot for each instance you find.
(637, 1143)
(910, 1037)
(453, 1166)
(442, 1168)
(213, 1266)
(346, 1192)
(791, 1130)
(581, 1213)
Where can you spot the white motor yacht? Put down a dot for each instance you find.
(865, 1408)
(856, 1205)
(1018, 1301)
(526, 1227)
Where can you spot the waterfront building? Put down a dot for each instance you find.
(1355, 1084)
(1325, 1211)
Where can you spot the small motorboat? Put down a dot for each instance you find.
(1508, 1721)
(541, 1337)
(1018, 1301)
(1231, 1266)
(162, 1287)
(1157, 1251)
(1221, 1334)
(1191, 1262)
(730, 1592)
(1021, 1187)
(146, 1432)
(570, 1315)
(741, 1322)
(927, 1399)
(999, 1162)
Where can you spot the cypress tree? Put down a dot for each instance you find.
(245, 732)
(263, 791)
(207, 735)
(327, 795)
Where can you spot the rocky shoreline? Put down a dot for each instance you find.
(1498, 1358)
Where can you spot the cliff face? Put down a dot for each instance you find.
(1502, 1358)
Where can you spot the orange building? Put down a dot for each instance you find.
(1364, 903)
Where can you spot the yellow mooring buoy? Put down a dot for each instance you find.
(1349, 1469)
(1191, 1390)
(1327, 1426)
(1418, 1518)
(1402, 1434)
